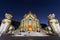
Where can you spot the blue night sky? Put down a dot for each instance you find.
(42, 8)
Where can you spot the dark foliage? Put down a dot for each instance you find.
(15, 24)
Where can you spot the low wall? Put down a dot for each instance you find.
(8, 37)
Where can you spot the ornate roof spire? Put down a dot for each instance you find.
(30, 12)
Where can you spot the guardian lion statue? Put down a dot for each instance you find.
(6, 26)
(53, 23)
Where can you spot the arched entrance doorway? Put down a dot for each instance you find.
(30, 26)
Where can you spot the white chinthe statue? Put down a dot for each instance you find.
(6, 23)
(54, 24)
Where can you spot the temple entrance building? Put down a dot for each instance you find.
(30, 23)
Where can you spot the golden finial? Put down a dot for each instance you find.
(30, 12)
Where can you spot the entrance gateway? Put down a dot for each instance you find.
(30, 23)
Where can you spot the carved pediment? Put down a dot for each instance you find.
(30, 15)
